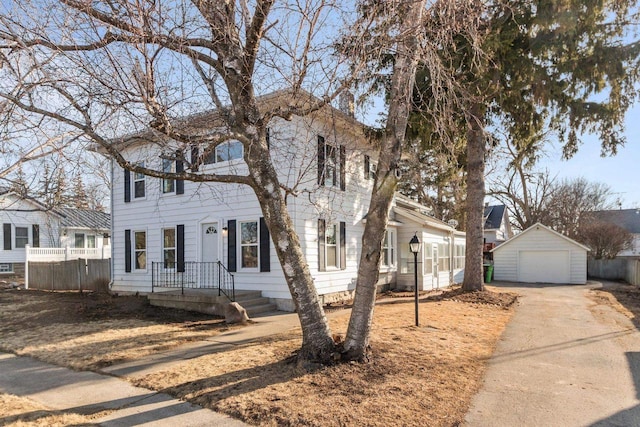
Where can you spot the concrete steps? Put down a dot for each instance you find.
(207, 301)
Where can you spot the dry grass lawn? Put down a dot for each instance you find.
(22, 412)
(418, 376)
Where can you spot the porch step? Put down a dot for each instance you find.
(208, 301)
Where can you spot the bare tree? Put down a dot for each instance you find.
(90, 69)
(604, 239)
(423, 33)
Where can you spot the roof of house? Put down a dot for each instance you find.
(629, 219)
(202, 122)
(538, 226)
(493, 216)
(84, 218)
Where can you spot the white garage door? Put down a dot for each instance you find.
(544, 266)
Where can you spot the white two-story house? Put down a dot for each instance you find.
(168, 233)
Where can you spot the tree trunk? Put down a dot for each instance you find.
(317, 343)
(473, 280)
(356, 345)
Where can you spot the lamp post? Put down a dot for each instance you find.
(414, 247)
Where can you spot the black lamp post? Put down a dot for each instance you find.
(414, 247)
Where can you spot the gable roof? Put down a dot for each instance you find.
(535, 227)
(202, 122)
(629, 219)
(493, 216)
(84, 218)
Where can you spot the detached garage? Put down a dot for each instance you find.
(540, 255)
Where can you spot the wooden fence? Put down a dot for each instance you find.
(627, 269)
(73, 275)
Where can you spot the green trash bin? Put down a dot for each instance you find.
(488, 274)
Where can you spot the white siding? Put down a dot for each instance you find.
(538, 239)
(23, 213)
(294, 149)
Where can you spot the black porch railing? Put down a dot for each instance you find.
(196, 275)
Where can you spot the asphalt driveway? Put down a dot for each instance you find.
(559, 365)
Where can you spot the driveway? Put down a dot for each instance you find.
(559, 365)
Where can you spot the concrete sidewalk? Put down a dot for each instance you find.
(87, 393)
(559, 365)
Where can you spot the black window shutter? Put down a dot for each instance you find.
(367, 166)
(343, 245)
(179, 182)
(195, 152)
(343, 169)
(268, 137)
(322, 265)
(265, 254)
(127, 251)
(231, 246)
(6, 231)
(180, 248)
(127, 186)
(35, 234)
(321, 160)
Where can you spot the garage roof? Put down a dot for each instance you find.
(535, 227)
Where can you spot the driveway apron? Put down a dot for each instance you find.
(559, 365)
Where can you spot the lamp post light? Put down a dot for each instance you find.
(414, 247)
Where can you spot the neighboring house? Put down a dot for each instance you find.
(629, 219)
(497, 228)
(25, 221)
(165, 230)
(540, 255)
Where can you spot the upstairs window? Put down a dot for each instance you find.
(139, 184)
(370, 168)
(331, 164)
(91, 241)
(168, 185)
(225, 152)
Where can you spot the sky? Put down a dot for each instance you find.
(621, 172)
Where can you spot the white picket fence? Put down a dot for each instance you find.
(66, 254)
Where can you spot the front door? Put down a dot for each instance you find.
(210, 235)
(436, 270)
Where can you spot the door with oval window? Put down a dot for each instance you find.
(210, 234)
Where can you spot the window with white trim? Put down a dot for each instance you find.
(388, 249)
(139, 184)
(78, 241)
(169, 247)
(443, 257)
(331, 245)
(428, 258)
(459, 256)
(22, 237)
(91, 241)
(249, 244)
(168, 185)
(6, 267)
(140, 250)
(225, 152)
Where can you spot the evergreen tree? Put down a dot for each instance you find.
(561, 66)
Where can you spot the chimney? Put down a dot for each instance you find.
(346, 103)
